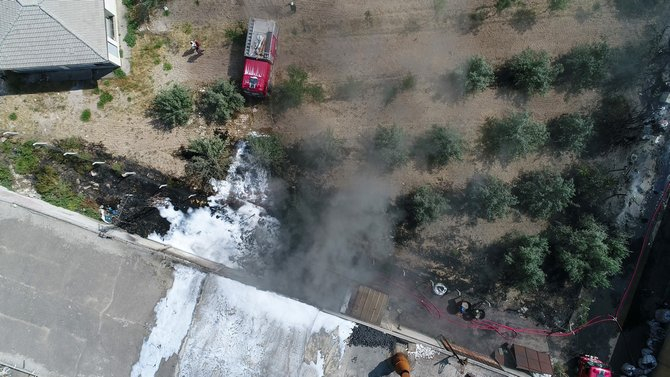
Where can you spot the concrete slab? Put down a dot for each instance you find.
(72, 302)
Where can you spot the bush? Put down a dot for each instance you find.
(585, 66)
(390, 146)
(479, 75)
(513, 136)
(489, 197)
(587, 253)
(13, 116)
(524, 258)
(209, 159)
(571, 132)
(531, 71)
(556, 5)
(221, 101)
(85, 115)
(425, 205)
(269, 152)
(321, 152)
(292, 92)
(105, 98)
(407, 83)
(6, 178)
(440, 145)
(543, 193)
(119, 73)
(173, 106)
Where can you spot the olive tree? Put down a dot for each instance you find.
(571, 132)
(585, 66)
(390, 146)
(440, 145)
(489, 197)
(532, 72)
(524, 257)
(425, 204)
(479, 75)
(587, 253)
(543, 193)
(513, 136)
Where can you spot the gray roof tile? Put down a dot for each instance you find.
(51, 33)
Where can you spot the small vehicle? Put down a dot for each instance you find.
(591, 366)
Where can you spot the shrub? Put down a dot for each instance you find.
(531, 71)
(524, 19)
(209, 159)
(119, 73)
(167, 66)
(543, 193)
(587, 253)
(269, 152)
(26, 159)
(105, 98)
(173, 106)
(292, 92)
(13, 116)
(321, 152)
(555, 5)
(390, 146)
(524, 257)
(424, 205)
(479, 75)
(236, 33)
(501, 5)
(585, 66)
(221, 101)
(440, 145)
(489, 197)
(85, 115)
(513, 136)
(59, 193)
(6, 178)
(408, 82)
(571, 131)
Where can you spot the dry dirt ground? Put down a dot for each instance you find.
(333, 41)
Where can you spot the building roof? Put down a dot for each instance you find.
(44, 33)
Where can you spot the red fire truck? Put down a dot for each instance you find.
(260, 51)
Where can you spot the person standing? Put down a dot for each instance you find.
(292, 6)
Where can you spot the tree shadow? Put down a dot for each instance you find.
(450, 87)
(504, 87)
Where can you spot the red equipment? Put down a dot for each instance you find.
(591, 366)
(260, 51)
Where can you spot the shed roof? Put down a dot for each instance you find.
(43, 33)
(532, 360)
(368, 305)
